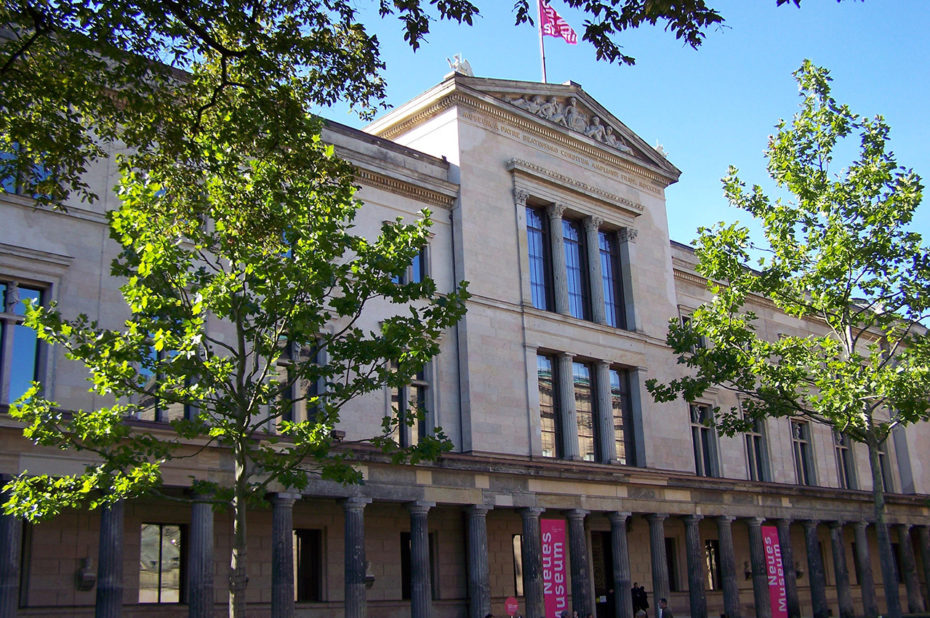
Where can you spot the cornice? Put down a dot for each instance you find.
(406, 189)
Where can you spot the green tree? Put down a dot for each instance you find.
(840, 256)
(242, 273)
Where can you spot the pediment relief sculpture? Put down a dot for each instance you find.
(570, 115)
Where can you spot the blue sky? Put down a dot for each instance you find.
(710, 107)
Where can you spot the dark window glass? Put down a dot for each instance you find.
(161, 561)
(703, 441)
(755, 452)
(887, 479)
(308, 565)
(548, 407)
(25, 366)
(612, 280)
(845, 468)
(803, 460)
(671, 557)
(409, 402)
(584, 411)
(575, 269)
(621, 412)
(540, 269)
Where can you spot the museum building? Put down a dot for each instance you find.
(554, 211)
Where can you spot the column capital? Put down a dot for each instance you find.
(355, 503)
(628, 234)
(903, 527)
(727, 519)
(520, 196)
(592, 223)
(754, 522)
(555, 210)
(531, 512)
(618, 517)
(478, 510)
(693, 518)
(419, 507)
(862, 524)
(285, 498)
(810, 523)
(836, 523)
(577, 514)
(657, 517)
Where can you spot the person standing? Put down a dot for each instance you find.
(664, 611)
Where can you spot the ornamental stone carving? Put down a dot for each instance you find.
(571, 116)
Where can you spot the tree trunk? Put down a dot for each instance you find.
(238, 579)
(886, 558)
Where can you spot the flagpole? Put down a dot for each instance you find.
(542, 48)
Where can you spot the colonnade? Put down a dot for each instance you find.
(200, 585)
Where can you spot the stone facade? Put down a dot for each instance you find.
(492, 159)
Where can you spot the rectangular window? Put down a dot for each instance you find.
(161, 561)
(22, 181)
(308, 565)
(537, 237)
(584, 411)
(22, 341)
(416, 271)
(845, 467)
(756, 452)
(803, 456)
(887, 479)
(548, 407)
(702, 435)
(671, 558)
(406, 578)
(701, 343)
(576, 269)
(612, 280)
(621, 411)
(518, 565)
(712, 562)
(407, 403)
(153, 407)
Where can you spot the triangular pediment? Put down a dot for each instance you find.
(569, 108)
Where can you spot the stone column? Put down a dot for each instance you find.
(620, 554)
(889, 570)
(923, 536)
(760, 583)
(607, 445)
(660, 587)
(110, 562)
(282, 554)
(864, 568)
(815, 571)
(11, 536)
(787, 558)
(532, 562)
(695, 554)
(915, 602)
(593, 248)
(200, 560)
(557, 249)
(421, 594)
(355, 605)
(479, 587)
(843, 591)
(566, 393)
(578, 548)
(728, 567)
(627, 237)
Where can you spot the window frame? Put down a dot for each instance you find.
(556, 411)
(577, 276)
(182, 562)
(10, 324)
(625, 437)
(845, 461)
(612, 279)
(757, 456)
(305, 584)
(539, 256)
(399, 405)
(802, 449)
(592, 414)
(704, 441)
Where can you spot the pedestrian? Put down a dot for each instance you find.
(664, 611)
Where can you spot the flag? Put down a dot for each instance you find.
(551, 24)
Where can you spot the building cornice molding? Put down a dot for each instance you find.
(404, 188)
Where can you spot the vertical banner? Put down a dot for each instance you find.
(775, 572)
(555, 591)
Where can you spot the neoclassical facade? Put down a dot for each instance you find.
(555, 213)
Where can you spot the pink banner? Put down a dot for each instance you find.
(775, 572)
(551, 24)
(555, 592)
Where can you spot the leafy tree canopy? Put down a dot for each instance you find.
(840, 257)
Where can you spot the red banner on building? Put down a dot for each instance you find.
(775, 572)
(555, 590)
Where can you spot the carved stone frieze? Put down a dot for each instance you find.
(569, 114)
